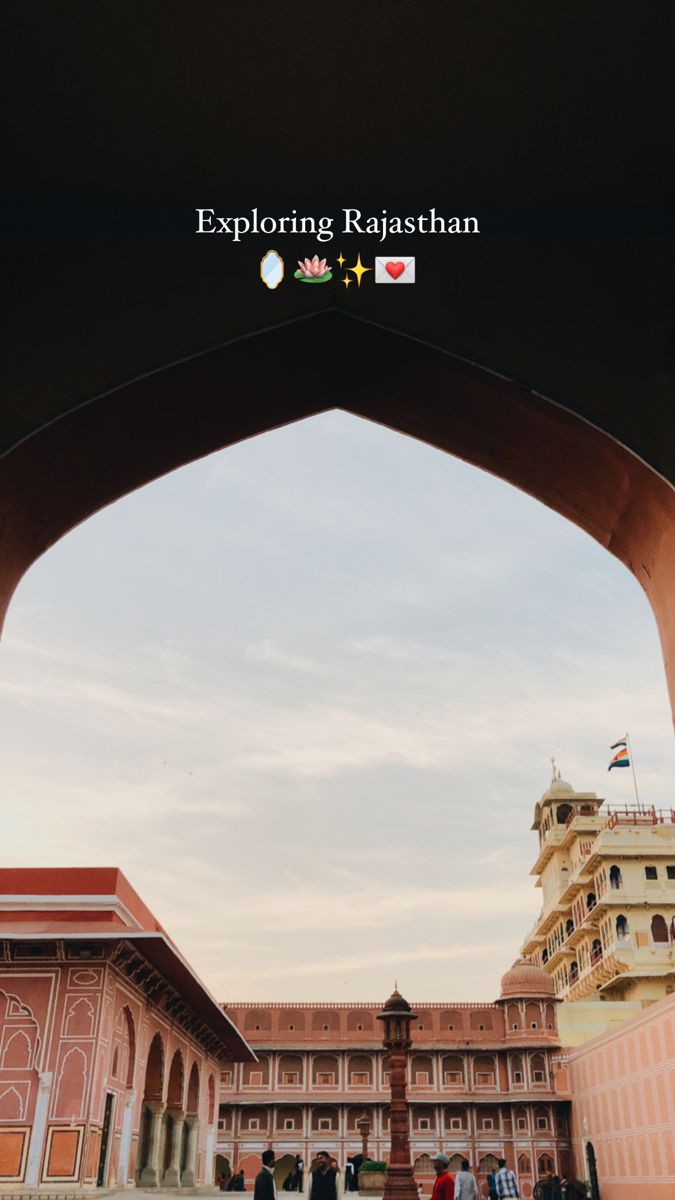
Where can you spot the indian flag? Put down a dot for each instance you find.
(621, 758)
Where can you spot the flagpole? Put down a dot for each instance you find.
(632, 767)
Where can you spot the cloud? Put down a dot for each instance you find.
(271, 655)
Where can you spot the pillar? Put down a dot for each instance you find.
(397, 1017)
(150, 1172)
(210, 1169)
(187, 1178)
(125, 1140)
(171, 1177)
(37, 1137)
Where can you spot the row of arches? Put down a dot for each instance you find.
(361, 1070)
(488, 1163)
(334, 1020)
(169, 1129)
(424, 1118)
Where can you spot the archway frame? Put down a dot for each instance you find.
(116, 442)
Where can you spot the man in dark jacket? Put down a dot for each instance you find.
(265, 1187)
(322, 1185)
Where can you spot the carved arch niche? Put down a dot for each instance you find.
(19, 1035)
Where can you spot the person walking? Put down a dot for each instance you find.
(299, 1171)
(444, 1183)
(466, 1187)
(323, 1179)
(265, 1188)
(492, 1185)
(505, 1182)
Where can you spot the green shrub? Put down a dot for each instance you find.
(370, 1165)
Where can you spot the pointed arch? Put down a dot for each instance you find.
(175, 1089)
(192, 1102)
(154, 1070)
(80, 1017)
(11, 1105)
(125, 1046)
(71, 1083)
(17, 1052)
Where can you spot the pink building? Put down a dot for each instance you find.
(622, 1086)
(110, 1048)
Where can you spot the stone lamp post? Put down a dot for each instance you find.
(396, 1018)
(363, 1126)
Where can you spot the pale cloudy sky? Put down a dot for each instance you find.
(304, 693)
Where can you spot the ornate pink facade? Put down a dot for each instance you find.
(110, 1048)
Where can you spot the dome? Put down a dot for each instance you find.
(524, 980)
(396, 1003)
(558, 787)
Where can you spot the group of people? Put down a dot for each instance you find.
(461, 1186)
(232, 1183)
(322, 1179)
(502, 1183)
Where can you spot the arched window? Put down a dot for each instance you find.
(513, 1016)
(421, 1070)
(596, 950)
(360, 1070)
(615, 879)
(659, 930)
(545, 1163)
(453, 1070)
(517, 1069)
(451, 1018)
(524, 1165)
(569, 927)
(291, 1070)
(487, 1163)
(541, 1120)
(591, 901)
(484, 1070)
(574, 971)
(257, 1074)
(325, 1069)
(621, 927)
(538, 1068)
(544, 955)
(455, 1118)
(532, 1016)
(562, 812)
(257, 1020)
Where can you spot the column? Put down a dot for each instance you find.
(37, 1137)
(210, 1169)
(187, 1178)
(171, 1176)
(125, 1141)
(150, 1172)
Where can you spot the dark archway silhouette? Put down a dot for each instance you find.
(592, 1171)
(115, 443)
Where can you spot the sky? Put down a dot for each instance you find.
(305, 692)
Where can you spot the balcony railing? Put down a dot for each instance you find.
(640, 816)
